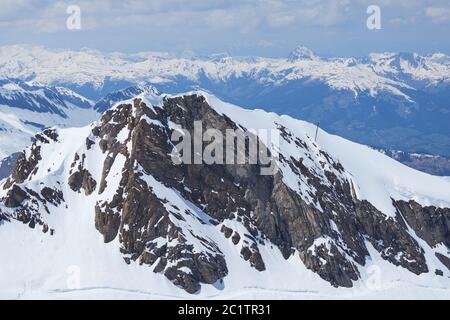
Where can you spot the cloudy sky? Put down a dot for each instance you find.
(238, 27)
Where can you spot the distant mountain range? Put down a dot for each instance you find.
(396, 101)
(389, 101)
(26, 109)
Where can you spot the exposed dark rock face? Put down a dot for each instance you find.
(331, 265)
(390, 237)
(205, 269)
(28, 205)
(445, 260)
(24, 166)
(139, 216)
(82, 180)
(15, 197)
(27, 166)
(107, 222)
(236, 238)
(327, 226)
(52, 196)
(430, 223)
(226, 231)
(256, 261)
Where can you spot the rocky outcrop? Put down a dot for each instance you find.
(15, 197)
(391, 238)
(430, 223)
(445, 260)
(28, 206)
(107, 222)
(26, 166)
(53, 196)
(82, 180)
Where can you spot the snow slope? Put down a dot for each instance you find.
(76, 263)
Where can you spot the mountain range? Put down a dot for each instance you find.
(107, 204)
(26, 109)
(396, 101)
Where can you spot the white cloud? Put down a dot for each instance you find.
(438, 14)
(243, 15)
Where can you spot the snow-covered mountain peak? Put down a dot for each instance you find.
(302, 53)
(441, 58)
(219, 56)
(333, 207)
(431, 70)
(118, 96)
